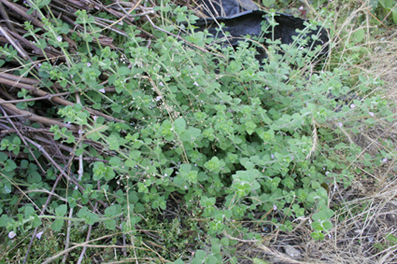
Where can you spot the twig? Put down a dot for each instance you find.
(6, 18)
(35, 118)
(22, 12)
(5, 34)
(47, 97)
(80, 173)
(10, 80)
(180, 38)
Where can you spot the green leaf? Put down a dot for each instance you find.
(123, 71)
(259, 261)
(115, 161)
(180, 125)
(135, 154)
(327, 225)
(57, 225)
(10, 166)
(317, 235)
(61, 210)
(317, 226)
(358, 36)
(109, 174)
(225, 241)
(110, 224)
(394, 15)
(90, 218)
(29, 211)
(111, 210)
(205, 201)
(36, 221)
(4, 220)
(268, 3)
(113, 141)
(216, 246)
(213, 164)
(200, 255)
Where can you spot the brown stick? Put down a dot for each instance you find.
(22, 12)
(35, 118)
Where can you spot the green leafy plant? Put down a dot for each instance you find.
(167, 124)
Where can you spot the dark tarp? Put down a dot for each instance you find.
(241, 18)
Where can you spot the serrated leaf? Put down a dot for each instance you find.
(110, 224)
(180, 125)
(10, 166)
(394, 15)
(268, 3)
(225, 241)
(134, 154)
(111, 210)
(200, 255)
(317, 226)
(57, 225)
(327, 225)
(36, 221)
(61, 210)
(206, 202)
(123, 71)
(29, 211)
(115, 161)
(113, 141)
(4, 220)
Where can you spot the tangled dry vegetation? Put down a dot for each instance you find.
(365, 224)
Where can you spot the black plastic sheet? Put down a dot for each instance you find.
(249, 23)
(225, 8)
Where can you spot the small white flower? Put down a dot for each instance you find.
(274, 207)
(272, 156)
(102, 90)
(38, 235)
(352, 106)
(371, 114)
(88, 64)
(267, 88)
(340, 124)
(196, 84)
(161, 84)
(385, 160)
(301, 8)
(158, 98)
(327, 173)
(59, 38)
(12, 234)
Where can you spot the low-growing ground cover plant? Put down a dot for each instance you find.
(172, 147)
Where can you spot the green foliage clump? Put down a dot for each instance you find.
(228, 135)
